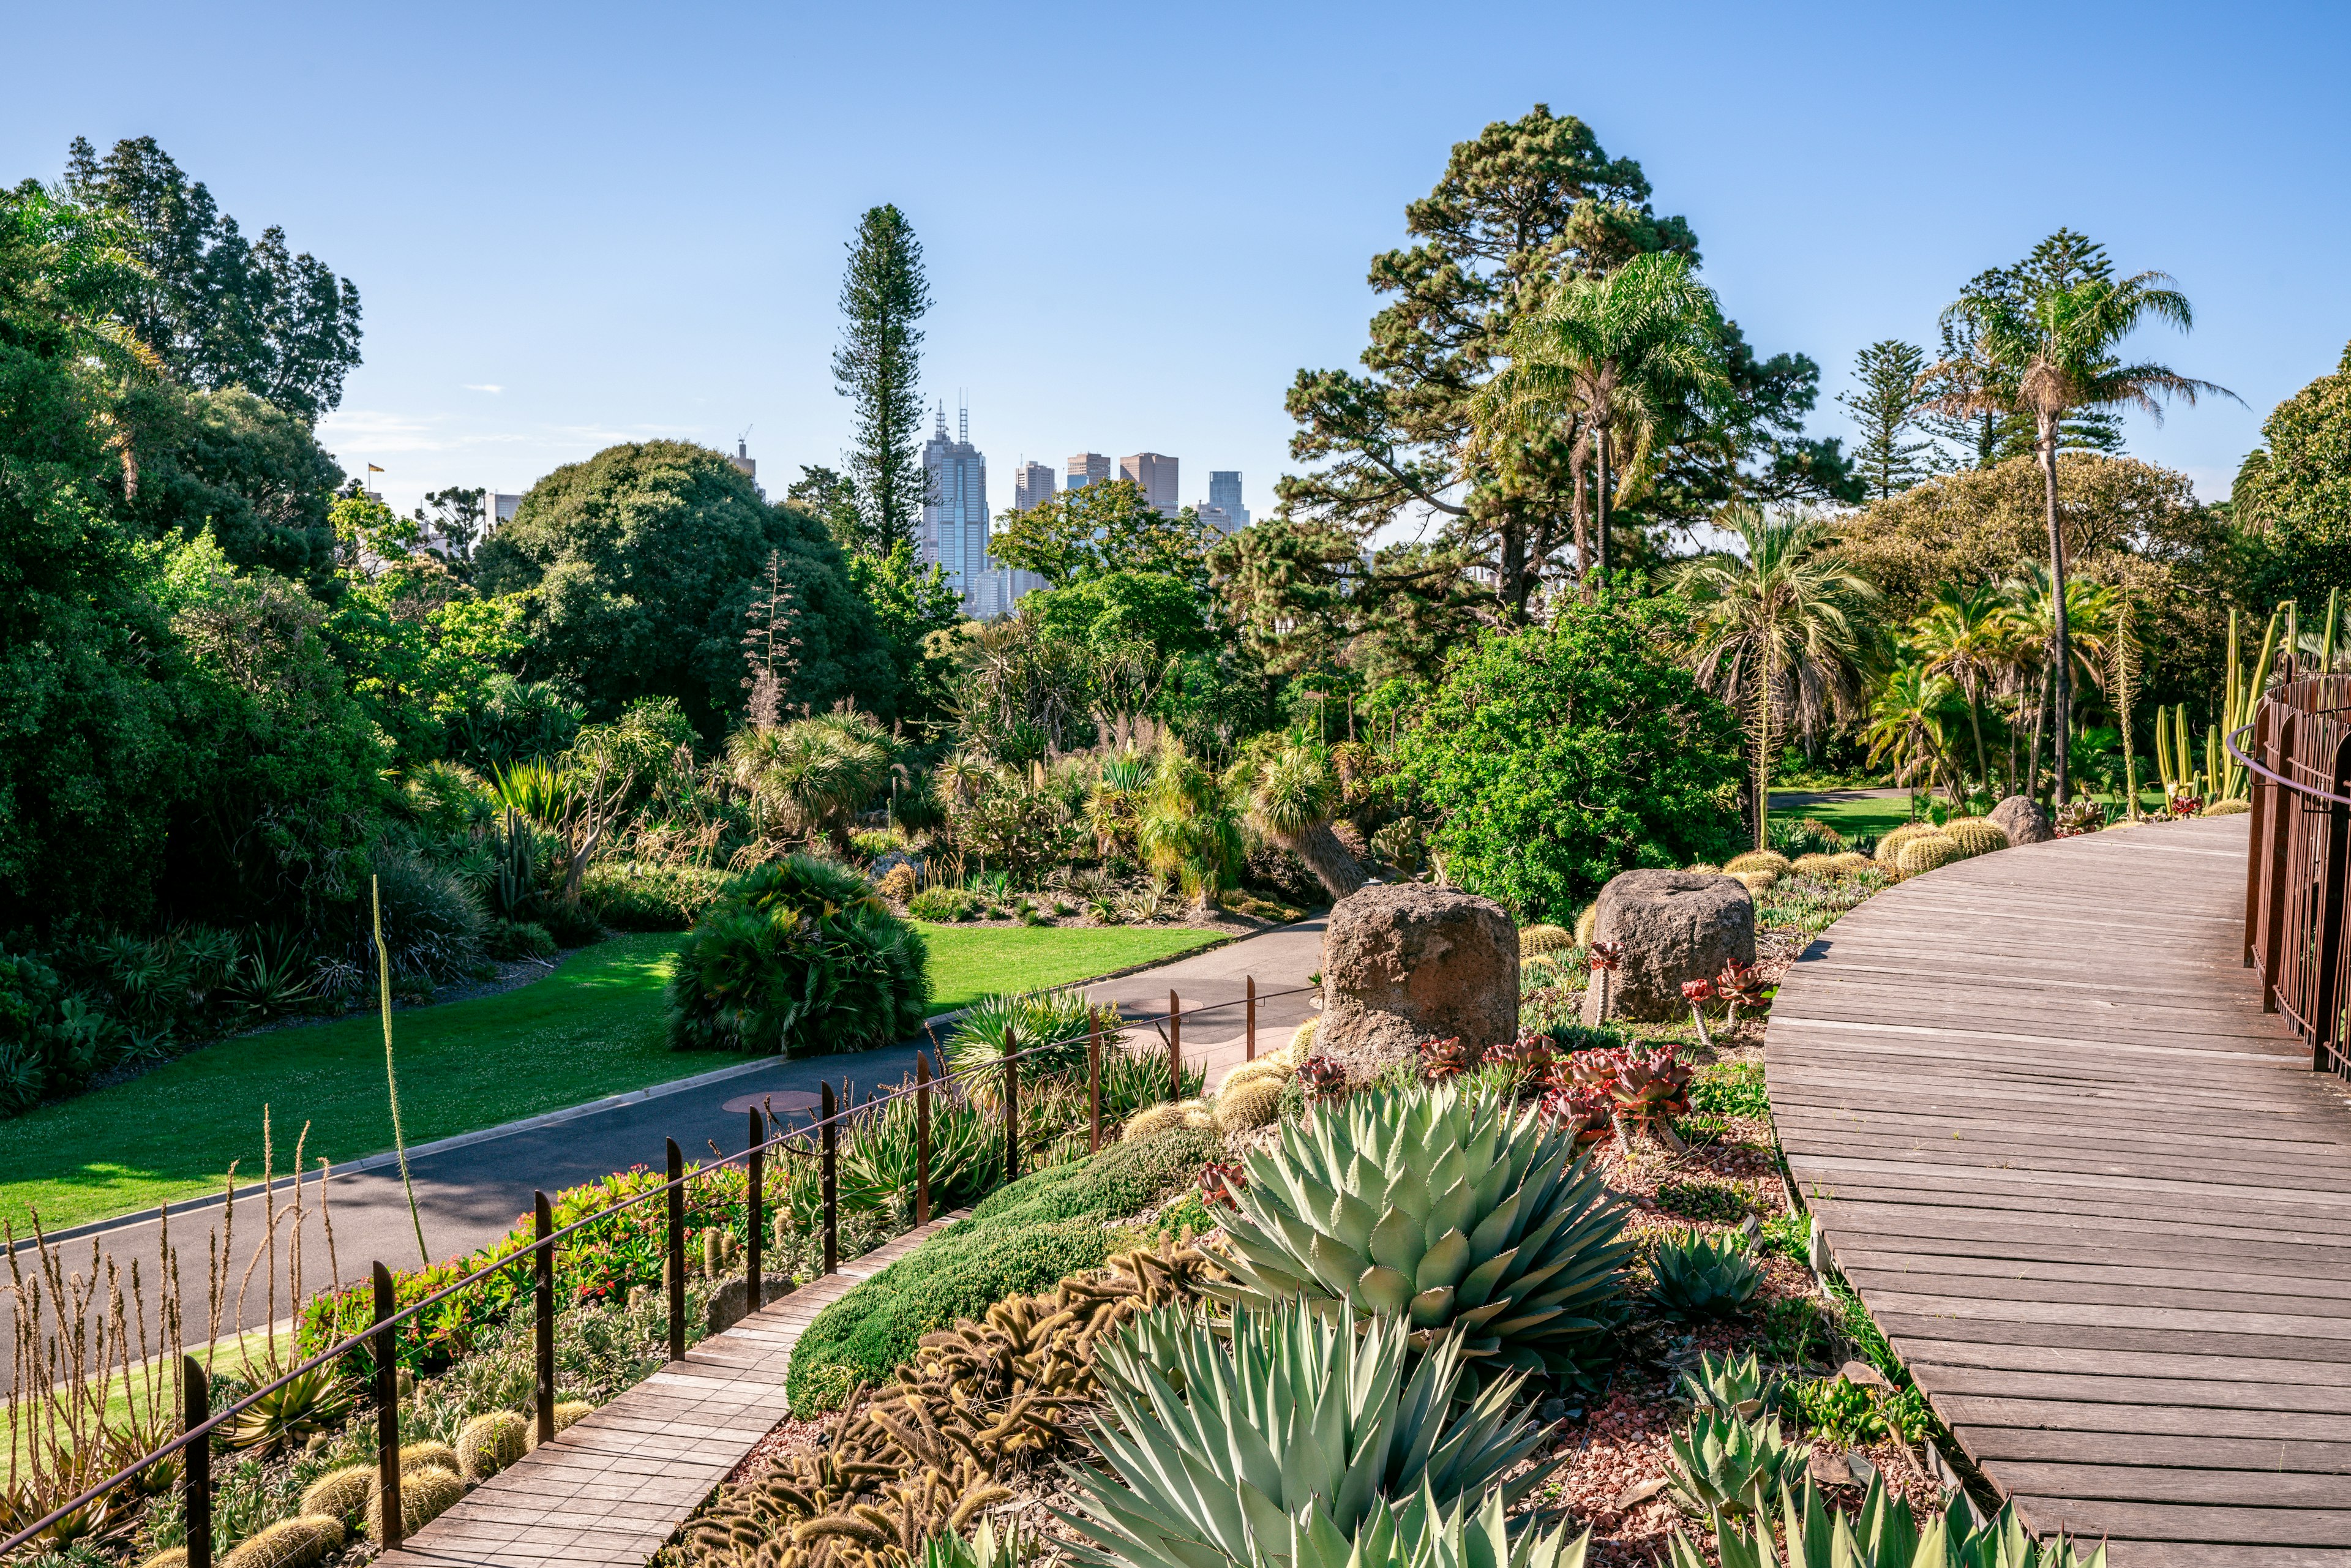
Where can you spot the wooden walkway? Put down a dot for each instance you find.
(2096, 1200)
(616, 1484)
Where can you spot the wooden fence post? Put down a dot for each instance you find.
(1011, 1107)
(1252, 1020)
(1093, 1080)
(754, 1213)
(1174, 1047)
(196, 1461)
(830, 1143)
(386, 1350)
(542, 1271)
(922, 1139)
(677, 1252)
(2326, 1016)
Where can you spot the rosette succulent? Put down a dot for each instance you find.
(1445, 1208)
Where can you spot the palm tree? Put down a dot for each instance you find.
(2080, 625)
(1779, 631)
(1967, 635)
(1611, 353)
(1293, 793)
(2049, 344)
(808, 778)
(1905, 724)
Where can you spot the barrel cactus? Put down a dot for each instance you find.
(1264, 1069)
(1757, 881)
(1816, 865)
(428, 1454)
(489, 1443)
(425, 1496)
(1889, 847)
(2228, 808)
(341, 1494)
(1252, 1103)
(1853, 860)
(567, 1411)
(1976, 835)
(1926, 853)
(1537, 940)
(1301, 1041)
(301, 1542)
(1757, 860)
(1443, 1205)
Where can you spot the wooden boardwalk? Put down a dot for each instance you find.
(2097, 1201)
(615, 1485)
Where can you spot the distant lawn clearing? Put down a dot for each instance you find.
(1851, 818)
(593, 1028)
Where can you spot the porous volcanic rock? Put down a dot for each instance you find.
(2023, 820)
(1405, 962)
(1675, 925)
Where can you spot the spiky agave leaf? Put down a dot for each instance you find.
(1728, 1387)
(1426, 1534)
(1729, 1465)
(1445, 1206)
(1293, 1411)
(1883, 1534)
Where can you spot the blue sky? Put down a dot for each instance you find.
(571, 225)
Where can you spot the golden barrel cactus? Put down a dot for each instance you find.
(1757, 860)
(1252, 1103)
(1976, 835)
(1927, 852)
(1537, 940)
(1889, 847)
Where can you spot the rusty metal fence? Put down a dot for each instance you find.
(2298, 750)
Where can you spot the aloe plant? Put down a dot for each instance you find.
(1424, 1535)
(1883, 1534)
(1450, 1210)
(1734, 1466)
(1294, 1419)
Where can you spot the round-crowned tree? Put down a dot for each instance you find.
(644, 566)
(1558, 756)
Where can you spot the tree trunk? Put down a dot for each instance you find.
(2033, 753)
(1326, 857)
(2062, 728)
(1975, 722)
(1600, 502)
(1763, 751)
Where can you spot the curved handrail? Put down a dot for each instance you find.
(2296, 785)
(522, 1255)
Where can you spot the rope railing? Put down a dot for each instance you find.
(379, 1339)
(2297, 752)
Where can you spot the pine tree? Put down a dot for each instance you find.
(877, 367)
(1886, 402)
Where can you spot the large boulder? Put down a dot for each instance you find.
(1675, 925)
(1405, 962)
(2023, 820)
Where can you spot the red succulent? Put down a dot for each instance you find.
(1322, 1076)
(1443, 1059)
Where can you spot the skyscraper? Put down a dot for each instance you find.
(1088, 468)
(1154, 474)
(955, 512)
(1033, 484)
(1225, 492)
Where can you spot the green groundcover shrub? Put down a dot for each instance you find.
(800, 955)
(1023, 1240)
(630, 895)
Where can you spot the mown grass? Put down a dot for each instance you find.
(595, 1027)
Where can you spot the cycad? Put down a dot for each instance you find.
(810, 778)
(1293, 793)
(1445, 1208)
(1189, 828)
(1291, 1419)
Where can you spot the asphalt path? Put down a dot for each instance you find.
(473, 1189)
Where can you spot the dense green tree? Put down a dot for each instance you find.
(642, 564)
(1304, 597)
(2292, 501)
(1559, 755)
(2051, 346)
(456, 519)
(1101, 528)
(1888, 403)
(915, 606)
(215, 310)
(240, 465)
(879, 368)
(831, 499)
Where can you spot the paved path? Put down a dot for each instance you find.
(2096, 1199)
(614, 1486)
(470, 1194)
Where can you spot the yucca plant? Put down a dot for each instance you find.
(1290, 1418)
(1733, 1465)
(1883, 1534)
(1426, 1534)
(1132, 1080)
(1449, 1209)
(1699, 1275)
(1728, 1387)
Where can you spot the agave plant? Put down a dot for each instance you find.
(1703, 1276)
(1424, 1535)
(1449, 1209)
(1733, 1465)
(1292, 1419)
(1728, 1387)
(1883, 1534)
(309, 1403)
(982, 1551)
(878, 1166)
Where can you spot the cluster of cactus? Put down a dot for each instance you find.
(1452, 1209)
(1930, 852)
(1250, 1095)
(1730, 1386)
(490, 1442)
(1335, 1430)
(1698, 1277)
(1883, 1534)
(1889, 847)
(1733, 1465)
(1153, 1120)
(720, 1254)
(1976, 835)
(977, 1402)
(1817, 865)
(432, 1477)
(1537, 940)
(1759, 860)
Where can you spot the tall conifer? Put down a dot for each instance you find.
(878, 367)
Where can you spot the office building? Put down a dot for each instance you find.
(1214, 516)
(1032, 483)
(955, 511)
(1088, 468)
(745, 464)
(1154, 474)
(1225, 493)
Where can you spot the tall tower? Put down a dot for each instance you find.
(1154, 474)
(955, 507)
(1032, 483)
(1225, 493)
(1088, 468)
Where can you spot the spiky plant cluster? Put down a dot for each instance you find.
(928, 1453)
(1733, 1465)
(301, 1542)
(1699, 1276)
(489, 1443)
(1451, 1209)
(1537, 940)
(1883, 1534)
(1728, 1387)
(1424, 1533)
(1930, 852)
(1254, 1102)
(1976, 835)
(1889, 847)
(1759, 860)
(1289, 1417)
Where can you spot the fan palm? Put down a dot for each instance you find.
(1292, 791)
(1781, 631)
(2050, 345)
(811, 778)
(1967, 635)
(1612, 352)
(1905, 724)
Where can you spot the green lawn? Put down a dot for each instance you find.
(593, 1027)
(1850, 818)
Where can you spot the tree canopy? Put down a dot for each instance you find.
(1101, 528)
